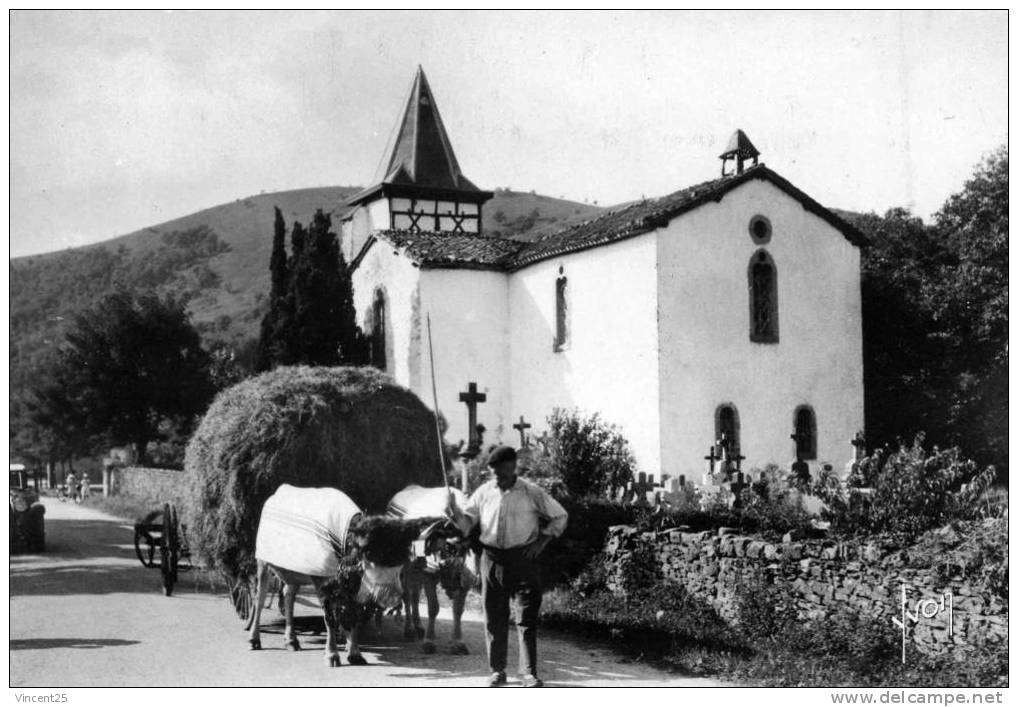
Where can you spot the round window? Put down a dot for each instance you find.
(760, 229)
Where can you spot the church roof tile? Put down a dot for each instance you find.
(646, 215)
(456, 250)
(466, 250)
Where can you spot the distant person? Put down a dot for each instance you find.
(517, 521)
(72, 486)
(86, 488)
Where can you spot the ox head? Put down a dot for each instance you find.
(446, 551)
(382, 546)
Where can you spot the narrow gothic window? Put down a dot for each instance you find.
(726, 427)
(377, 341)
(561, 319)
(805, 433)
(763, 299)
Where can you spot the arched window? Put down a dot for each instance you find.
(805, 433)
(561, 312)
(726, 427)
(763, 299)
(378, 321)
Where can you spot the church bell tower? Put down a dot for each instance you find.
(421, 186)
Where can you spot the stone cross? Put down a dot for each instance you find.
(859, 442)
(471, 397)
(711, 458)
(522, 426)
(800, 469)
(798, 439)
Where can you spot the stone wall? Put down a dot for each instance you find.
(820, 575)
(157, 486)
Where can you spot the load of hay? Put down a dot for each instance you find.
(347, 428)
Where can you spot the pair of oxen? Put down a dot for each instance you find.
(362, 566)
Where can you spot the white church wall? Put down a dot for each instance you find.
(469, 322)
(609, 364)
(398, 279)
(707, 357)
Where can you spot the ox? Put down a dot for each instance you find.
(440, 558)
(318, 536)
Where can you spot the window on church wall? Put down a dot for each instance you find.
(805, 432)
(763, 299)
(561, 313)
(726, 427)
(377, 338)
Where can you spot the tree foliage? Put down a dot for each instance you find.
(589, 455)
(132, 368)
(311, 318)
(935, 320)
(909, 490)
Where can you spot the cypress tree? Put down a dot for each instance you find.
(311, 318)
(269, 338)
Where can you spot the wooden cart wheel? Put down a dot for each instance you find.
(169, 549)
(146, 556)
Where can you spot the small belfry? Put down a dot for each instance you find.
(422, 187)
(739, 149)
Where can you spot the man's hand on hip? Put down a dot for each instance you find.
(534, 549)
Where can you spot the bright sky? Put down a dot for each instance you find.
(123, 120)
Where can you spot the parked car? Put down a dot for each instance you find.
(27, 515)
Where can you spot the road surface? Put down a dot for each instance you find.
(86, 613)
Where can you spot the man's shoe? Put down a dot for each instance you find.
(532, 681)
(496, 680)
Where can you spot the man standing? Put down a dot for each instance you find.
(517, 521)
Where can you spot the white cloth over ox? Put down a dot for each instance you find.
(420, 502)
(304, 529)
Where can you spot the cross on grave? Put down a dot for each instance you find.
(737, 485)
(711, 458)
(800, 469)
(522, 426)
(859, 443)
(471, 397)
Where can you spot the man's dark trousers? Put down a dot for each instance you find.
(506, 574)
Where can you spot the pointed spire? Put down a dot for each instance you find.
(422, 154)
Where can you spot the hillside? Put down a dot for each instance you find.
(216, 259)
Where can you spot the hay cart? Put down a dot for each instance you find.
(160, 544)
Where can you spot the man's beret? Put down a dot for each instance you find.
(502, 454)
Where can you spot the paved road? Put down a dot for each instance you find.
(86, 613)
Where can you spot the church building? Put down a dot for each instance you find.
(727, 309)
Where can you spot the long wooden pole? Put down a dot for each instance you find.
(434, 398)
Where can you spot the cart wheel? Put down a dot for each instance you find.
(144, 544)
(170, 549)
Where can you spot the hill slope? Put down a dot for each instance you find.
(216, 259)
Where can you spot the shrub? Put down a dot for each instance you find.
(346, 428)
(775, 505)
(590, 455)
(658, 617)
(912, 490)
(584, 537)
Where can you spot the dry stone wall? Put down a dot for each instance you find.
(157, 486)
(819, 576)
